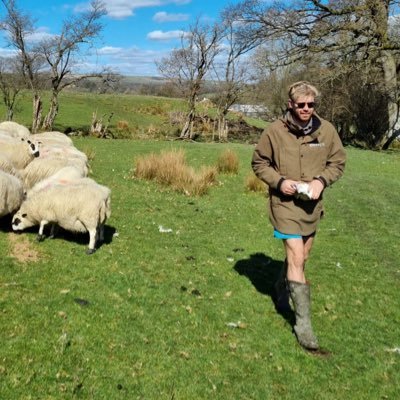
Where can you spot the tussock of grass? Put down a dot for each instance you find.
(90, 152)
(254, 184)
(169, 168)
(228, 162)
(123, 125)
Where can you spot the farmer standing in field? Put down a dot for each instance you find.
(298, 156)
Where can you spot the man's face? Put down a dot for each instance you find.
(303, 107)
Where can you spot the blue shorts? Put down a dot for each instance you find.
(280, 235)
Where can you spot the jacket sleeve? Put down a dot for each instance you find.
(335, 162)
(263, 162)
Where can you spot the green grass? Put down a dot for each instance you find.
(145, 116)
(142, 113)
(159, 305)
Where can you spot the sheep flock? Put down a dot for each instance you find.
(44, 181)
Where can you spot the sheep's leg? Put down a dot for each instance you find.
(92, 241)
(53, 231)
(101, 233)
(40, 237)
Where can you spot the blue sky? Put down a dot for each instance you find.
(136, 32)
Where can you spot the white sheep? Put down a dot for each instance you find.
(64, 176)
(43, 168)
(11, 193)
(82, 207)
(5, 137)
(20, 152)
(14, 129)
(7, 166)
(52, 137)
(64, 151)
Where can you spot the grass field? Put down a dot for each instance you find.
(133, 116)
(188, 314)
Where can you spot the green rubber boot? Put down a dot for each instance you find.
(300, 295)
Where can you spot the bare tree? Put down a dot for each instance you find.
(59, 52)
(231, 70)
(10, 85)
(18, 27)
(54, 57)
(354, 35)
(188, 65)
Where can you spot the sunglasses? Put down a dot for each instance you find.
(311, 104)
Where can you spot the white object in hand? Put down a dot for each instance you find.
(303, 191)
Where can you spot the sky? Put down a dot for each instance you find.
(136, 32)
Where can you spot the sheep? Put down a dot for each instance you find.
(64, 176)
(20, 152)
(7, 166)
(53, 137)
(5, 137)
(81, 207)
(42, 168)
(64, 151)
(11, 193)
(14, 129)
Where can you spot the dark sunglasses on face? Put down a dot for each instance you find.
(311, 104)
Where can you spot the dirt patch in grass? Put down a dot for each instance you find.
(21, 249)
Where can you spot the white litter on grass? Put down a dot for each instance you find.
(115, 234)
(230, 259)
(239, 325)
(164, 230)
(339, 265)
(394, 350)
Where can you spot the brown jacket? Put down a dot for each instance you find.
(284, 152)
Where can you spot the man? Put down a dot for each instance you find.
(298, 156)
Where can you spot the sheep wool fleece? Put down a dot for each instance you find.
(285, 152)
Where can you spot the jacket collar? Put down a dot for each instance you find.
(296, 129)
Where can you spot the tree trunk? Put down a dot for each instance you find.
(187, 130)
(390, 77)
(10, 113)
(37, 113)
(48, 121)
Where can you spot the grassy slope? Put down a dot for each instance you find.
(156, 325)
(145, 116)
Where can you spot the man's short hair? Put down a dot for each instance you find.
(302, 88)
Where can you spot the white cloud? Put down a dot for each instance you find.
(6, 53)
(126, 61)
(163, 16)
(40, 34)
(110, 51)
(169, 35)
(120, 9)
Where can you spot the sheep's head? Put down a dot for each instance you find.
(20, 221)
(33, 147)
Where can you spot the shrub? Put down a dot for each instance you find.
(228, 162)
(123, 125)
(169, 168)
(254, 184)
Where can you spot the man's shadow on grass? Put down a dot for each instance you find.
(263, 271)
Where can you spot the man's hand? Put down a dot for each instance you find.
(315, 187)
(288, 187)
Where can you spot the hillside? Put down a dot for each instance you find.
(133, 116)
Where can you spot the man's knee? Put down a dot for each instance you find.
(296, 261)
